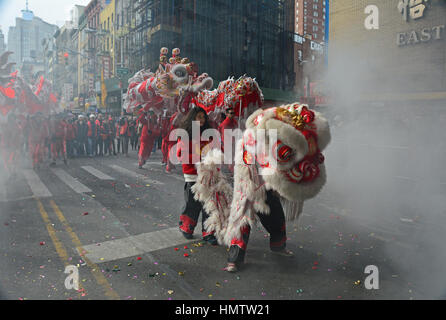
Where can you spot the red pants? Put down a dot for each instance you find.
(145, 150)
(170, 145)
(165, 149)
(59, 146)
(37, 153)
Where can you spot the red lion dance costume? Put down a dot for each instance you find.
(150, 131)
(278, 165)
(20, 100)
(177, 87)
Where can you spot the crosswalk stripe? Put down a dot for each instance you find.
(135, 175)
(70, 181)
(154, 163)
(134, 245)
(170, 175)
(38, 189)
(98, 174)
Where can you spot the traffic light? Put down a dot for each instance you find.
(66, 56)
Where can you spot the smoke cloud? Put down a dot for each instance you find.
(385, 165)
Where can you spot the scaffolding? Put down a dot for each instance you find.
(223, 37)
(157, 25)
(236, 37)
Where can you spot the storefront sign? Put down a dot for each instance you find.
(413, 9)
(423, 35)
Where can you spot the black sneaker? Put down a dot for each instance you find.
(188, 236)
(211, 239)
(284, 253)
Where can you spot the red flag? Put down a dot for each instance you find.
(7, 92)
(53, 98)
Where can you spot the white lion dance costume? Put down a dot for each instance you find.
(278, 165)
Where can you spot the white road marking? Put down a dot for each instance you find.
(70, 181)
(19, 199)
(135, 245)
(98, 174)
(135, 175)
(154, 163)
(38, 189)
(171, 175)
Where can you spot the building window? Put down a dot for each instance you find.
(299, 55)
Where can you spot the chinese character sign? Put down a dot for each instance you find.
(412, 8)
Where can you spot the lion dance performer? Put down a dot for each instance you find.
(38, 134)
(278, 165)
(149, 132)
(58, 133)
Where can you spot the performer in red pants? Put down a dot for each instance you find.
(58, 134)
(149, 132)
(38, 133)
(165, 132)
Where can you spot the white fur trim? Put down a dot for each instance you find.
(190, 177)
(323, 131)
(292, 209)
(214, 192)
(249, 197)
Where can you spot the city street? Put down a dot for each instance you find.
(119, 225)
(337, 105)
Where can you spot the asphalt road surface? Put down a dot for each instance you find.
(118, 225)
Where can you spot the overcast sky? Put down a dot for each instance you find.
(51, 11)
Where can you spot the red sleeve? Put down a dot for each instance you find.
(179, 146)
(142, 119)
(155, 130)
